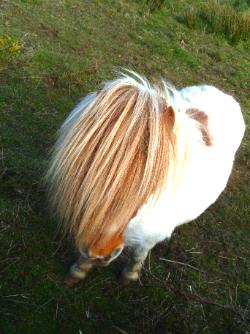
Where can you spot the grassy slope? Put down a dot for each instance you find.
(69, 47)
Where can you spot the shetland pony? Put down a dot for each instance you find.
(133, 161)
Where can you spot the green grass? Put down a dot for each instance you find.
(66, 49)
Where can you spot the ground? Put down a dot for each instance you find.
(52, 54)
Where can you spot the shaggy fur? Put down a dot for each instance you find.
(109, 160)
(133, 161)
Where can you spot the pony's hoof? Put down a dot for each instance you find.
(124, 281)
(128, 278)
(71, 282)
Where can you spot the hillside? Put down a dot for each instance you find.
(52, 53)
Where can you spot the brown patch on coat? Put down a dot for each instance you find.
(171, 116)
(202, 118)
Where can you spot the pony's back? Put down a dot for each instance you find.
(212, 127)
(226, 123)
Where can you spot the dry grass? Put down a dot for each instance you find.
(155, 4)
(219, 18)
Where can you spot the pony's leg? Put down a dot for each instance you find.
(132, 271)
(78, 271)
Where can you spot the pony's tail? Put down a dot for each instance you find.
(110, 158)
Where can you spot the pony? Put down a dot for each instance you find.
(134, 160)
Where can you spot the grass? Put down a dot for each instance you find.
(66, 49)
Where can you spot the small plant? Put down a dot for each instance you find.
(10, 50)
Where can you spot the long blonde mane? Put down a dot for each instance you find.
(110, 158)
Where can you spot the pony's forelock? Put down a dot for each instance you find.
(110, 158)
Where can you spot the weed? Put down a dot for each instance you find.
(10, 50)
